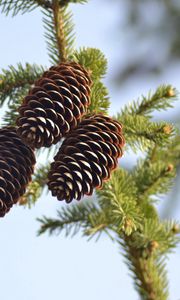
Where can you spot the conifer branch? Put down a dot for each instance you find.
(154, 178)
(99, 98)
(118, 197)
(149, 273)
(59, 29)
(87, 216)
(162, 99)
(59, 32)
(14, 79)
(57, 225)
(145, 252)
(14, 85)
(169, 152)
(141, 133)
(23, 6)
(95, 62)
(11, 113)
(124, 204)
(155, 175)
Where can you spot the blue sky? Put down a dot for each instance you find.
(34, 268)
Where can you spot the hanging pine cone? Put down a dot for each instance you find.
(55, 105)
(16, 167)
(86, 158)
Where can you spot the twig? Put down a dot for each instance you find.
(140, 265)
(59, 29)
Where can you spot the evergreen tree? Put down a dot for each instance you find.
(124, 208)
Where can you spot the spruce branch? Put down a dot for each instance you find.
(149, 272)
(155, 174)
(141, 133)
(11, 113)
(118, 198)
(22, 6)
(99, 98)
(59, 29)
(155, 231)
(162, 99)
(59, 32)
(153, 178)
(93, 60)
(124, 205)
(169, 152)
(14, 79)
(87, 216)
(15, 83)
(145, 252)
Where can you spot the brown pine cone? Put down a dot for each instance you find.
(55, 105)
(16, 167)
(86, 158)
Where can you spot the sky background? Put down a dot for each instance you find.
(32, 267)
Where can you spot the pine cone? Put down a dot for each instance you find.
(16, 167)
(86, 158)
(55, 105)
